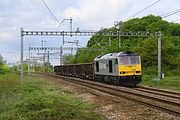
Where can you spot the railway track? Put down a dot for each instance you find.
(165, 93)
(169, 102)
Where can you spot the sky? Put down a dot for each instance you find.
(86, 15)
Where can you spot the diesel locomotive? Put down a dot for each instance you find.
(123, 68)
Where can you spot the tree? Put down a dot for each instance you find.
(1, 60)
(146, 47)
(3, 67)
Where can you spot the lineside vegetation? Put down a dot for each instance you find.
(39, 100)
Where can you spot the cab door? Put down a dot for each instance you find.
(115, 66)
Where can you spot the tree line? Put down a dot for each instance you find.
(145, 46)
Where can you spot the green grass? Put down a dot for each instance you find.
(171, 80)
(39, 100)
(171, 83)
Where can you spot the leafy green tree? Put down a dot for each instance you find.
(145, 46)
(1, 60)
(3, 67)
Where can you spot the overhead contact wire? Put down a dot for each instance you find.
(51, 12)
(171, 14)
(142, 10)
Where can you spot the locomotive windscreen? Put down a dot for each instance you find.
(126, 60)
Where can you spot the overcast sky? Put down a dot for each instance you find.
(86, 14)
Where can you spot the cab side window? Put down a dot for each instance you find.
(97, 66)
(110, 66)
(116, 61)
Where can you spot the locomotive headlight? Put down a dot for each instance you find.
(138, 71)
(122, 72)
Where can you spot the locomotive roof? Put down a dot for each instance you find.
(115, 55)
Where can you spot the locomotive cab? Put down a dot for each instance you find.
(129, 68)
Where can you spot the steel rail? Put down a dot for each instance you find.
(158, 92)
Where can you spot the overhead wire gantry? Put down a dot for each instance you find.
(90, 33)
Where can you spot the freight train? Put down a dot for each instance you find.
(123, 68)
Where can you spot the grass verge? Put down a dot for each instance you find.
(39, 100)
(171, 83)
(171, 80)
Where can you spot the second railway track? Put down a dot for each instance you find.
(165, 93)
(169, 102)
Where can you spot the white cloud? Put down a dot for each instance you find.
(4, 35)
(96, 12)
